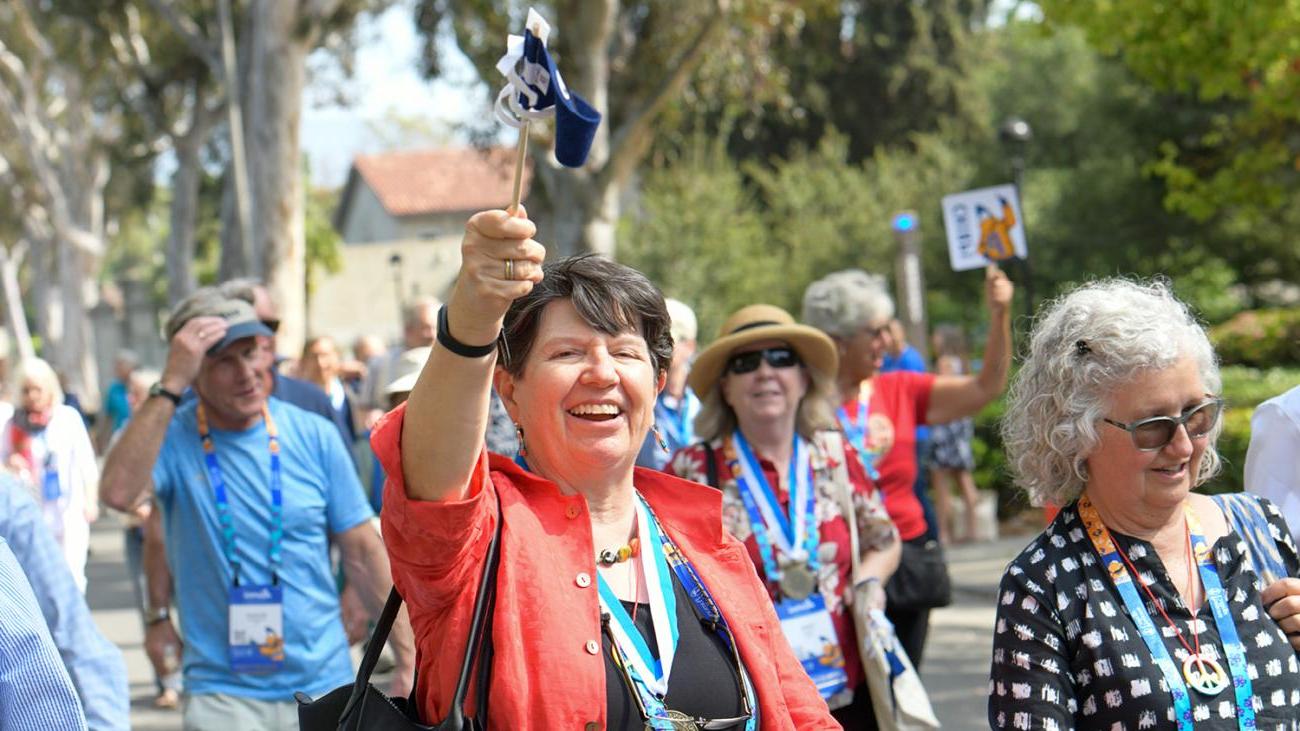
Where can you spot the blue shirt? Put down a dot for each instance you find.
(95, 665)
(116, 407)
(675, 419)
(35, 690)
(908, 360)
(322, 497)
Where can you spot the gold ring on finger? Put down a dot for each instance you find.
(510, 269)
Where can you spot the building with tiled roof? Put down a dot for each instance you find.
(401, 216)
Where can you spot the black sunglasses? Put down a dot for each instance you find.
(1153, 434)
(779, 357)
(272, 325)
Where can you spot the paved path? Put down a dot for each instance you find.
(955, 670)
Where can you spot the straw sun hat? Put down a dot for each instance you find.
(753, 324)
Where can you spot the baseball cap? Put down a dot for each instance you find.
(241, 320)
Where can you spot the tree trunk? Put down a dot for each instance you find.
(15, 316)
(186, 181)
(276, 74)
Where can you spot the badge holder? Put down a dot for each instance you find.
(808, 627)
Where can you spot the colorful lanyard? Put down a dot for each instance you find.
(223, 502)
(857, 434)
(629, 651)
(1123, 580)
(677, 422)
(796, 534)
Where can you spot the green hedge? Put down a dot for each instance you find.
(1260, 338)
(1243, 388)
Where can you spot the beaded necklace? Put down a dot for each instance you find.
(611, 556)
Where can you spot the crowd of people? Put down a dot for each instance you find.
(731, 534)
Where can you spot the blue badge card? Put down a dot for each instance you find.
(256, 629)
(807, 625)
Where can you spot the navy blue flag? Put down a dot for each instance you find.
(535, 90)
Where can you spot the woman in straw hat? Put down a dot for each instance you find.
(620, 601)
(880, 412)
(788, 481)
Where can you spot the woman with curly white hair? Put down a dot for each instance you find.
(1143, 604)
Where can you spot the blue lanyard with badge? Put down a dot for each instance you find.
(857, 435)
(647, 675)
(256, 611)
(51, 491)
(1200, 671)
(802, 610)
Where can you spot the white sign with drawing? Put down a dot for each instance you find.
(984, 227)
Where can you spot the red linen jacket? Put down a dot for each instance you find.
(548, 673)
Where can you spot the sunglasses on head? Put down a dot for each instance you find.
(1150, 435)
(779, 357)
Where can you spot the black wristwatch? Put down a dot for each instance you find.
(154, 616)
(158, 390)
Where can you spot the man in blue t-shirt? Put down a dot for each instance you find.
(252, 492)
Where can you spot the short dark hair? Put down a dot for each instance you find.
(611, 297)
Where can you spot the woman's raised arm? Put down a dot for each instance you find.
(446, 414)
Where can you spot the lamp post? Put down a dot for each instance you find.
(395, 263)
(1015, 135)
(909, 279)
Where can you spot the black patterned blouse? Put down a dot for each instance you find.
(1066, 655)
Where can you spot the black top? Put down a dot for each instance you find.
(1066, 654)
(704, 681)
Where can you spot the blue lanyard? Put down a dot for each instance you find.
(709, 613)
(677, 422)
(1123, 580)
(765, 514)
(643, 667)
(223, 502)
(857, 434)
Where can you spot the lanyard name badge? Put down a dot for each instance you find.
(648, 676)
(1201, 672)
(256, 611)
(805, 621)
(51, 491)
(857, 434)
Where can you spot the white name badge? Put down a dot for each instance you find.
(808, 627)
(256, 629)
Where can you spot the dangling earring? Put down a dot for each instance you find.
(519, 434)
(663, 443)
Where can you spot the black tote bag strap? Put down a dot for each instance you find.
(484, 602)
(378, 639)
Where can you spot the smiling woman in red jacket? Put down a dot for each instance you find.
(620, 603)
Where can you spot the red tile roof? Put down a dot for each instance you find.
(419, 182)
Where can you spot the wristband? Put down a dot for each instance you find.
(158, 390)
(154, 616)
(449, 342)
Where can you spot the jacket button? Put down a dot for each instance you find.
(571, 512)
(591, 726)
(593, 647)
(583, 580)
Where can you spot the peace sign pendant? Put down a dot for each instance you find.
(1204, 675)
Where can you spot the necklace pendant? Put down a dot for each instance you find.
(676, 720)
(1204, 675)
(797, 581)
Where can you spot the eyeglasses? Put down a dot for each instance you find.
(272, 325)
(778, 357)
(1150, 435)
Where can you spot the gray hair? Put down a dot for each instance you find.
(816, 409)
(40, 371)
(413, 311)
(1084, 345)
(842, 303)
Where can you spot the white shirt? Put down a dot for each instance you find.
(1273, 459)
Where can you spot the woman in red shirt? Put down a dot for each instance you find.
(790, 483)
(880, 411)
(620, 602)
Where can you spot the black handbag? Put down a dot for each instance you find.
(362, 706)
(921, 581)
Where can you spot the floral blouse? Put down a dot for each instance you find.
(835, 466)
(1066, 654)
